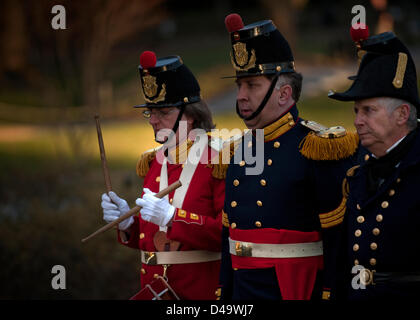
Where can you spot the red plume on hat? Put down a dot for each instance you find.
(233, 22)
(147, 59)
(359, 32)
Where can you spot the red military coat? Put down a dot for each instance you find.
(197, 227)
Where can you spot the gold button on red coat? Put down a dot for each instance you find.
(141, 236)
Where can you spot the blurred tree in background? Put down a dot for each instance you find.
(73, 61)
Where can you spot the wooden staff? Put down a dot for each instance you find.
(133, 211)
(103, 157)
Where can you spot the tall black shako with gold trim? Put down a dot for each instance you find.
(258, 49)
(167, 82)
(386, 70)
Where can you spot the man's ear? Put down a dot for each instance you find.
(285, 94)
(403, 112)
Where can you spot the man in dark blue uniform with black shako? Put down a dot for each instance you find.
(272, 241)
(379, 249)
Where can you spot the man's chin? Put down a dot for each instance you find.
(245, 114)
(365, 141)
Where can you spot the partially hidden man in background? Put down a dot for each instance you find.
(272, 245)
(378, 253)
(178, 236)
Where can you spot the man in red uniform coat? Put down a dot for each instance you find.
(179, 236)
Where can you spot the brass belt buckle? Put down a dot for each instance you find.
(150, 258)
(243, 250)
(366, 277)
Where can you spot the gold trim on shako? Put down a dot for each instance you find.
(241, 61)
(150, 88)
(399, 73)
(241, 54)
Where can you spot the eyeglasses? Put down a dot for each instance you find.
(157, 113)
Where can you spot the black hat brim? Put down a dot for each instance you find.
(151, 105)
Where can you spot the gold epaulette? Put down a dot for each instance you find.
(142, 167)
(335, 217)
(221, 165)
(324, 143)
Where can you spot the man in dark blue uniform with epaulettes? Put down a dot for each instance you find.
(277, 205)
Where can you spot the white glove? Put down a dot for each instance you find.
(115, 209)
(155, 210)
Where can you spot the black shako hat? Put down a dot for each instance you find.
(258, 48)
(386, 70)
(166, 82)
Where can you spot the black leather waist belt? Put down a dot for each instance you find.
(371, 277)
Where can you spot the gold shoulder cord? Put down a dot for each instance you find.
(399, 73)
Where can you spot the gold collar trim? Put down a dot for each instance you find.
(281, 126)
(179, 153)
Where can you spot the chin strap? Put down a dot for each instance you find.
(263, 103)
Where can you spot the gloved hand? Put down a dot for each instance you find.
(115, 209)
(155, 210)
